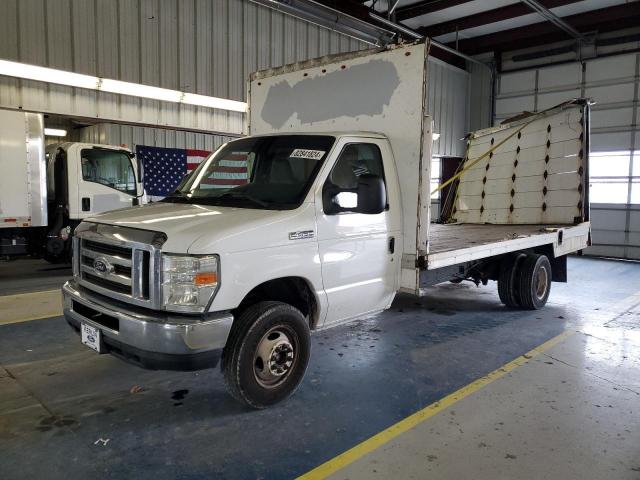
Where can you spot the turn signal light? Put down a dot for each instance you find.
(206, 278)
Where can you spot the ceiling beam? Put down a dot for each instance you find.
(428, 6)
(350, 7)
(551, 17)
(604, 19)
(484, 18)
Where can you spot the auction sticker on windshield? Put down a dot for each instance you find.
(309, 154)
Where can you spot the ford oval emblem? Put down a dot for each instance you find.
(102, 266)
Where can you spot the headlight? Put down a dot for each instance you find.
(189, 282)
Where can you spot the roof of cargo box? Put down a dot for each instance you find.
(327, 59)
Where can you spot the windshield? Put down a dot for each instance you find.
(258, 172)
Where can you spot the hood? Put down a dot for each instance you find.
(202, 229)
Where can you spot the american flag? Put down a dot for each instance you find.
(164, 168)
(230, 171)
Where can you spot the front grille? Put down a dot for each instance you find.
(118, 269)
(107, 249)
(103, 282)
(123, 271)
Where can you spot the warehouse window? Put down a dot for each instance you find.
(635, 180)
(610, 179)
(111, 168)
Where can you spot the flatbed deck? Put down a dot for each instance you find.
(456, 243)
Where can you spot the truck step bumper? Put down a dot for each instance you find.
(153, 340)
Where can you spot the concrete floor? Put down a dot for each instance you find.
(31, 275)
(570, 412)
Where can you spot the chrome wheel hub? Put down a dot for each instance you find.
(274, 357)
(542, 281)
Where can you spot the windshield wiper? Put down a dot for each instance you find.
(244, 196)
(177, 196)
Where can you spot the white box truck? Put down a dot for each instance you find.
(46, 192)
(320, 216)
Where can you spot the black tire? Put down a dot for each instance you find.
(247, 378)
(507, 279)
(534, 281)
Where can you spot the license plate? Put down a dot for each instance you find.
(91, 337)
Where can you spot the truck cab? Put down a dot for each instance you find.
(100, 178)
(313, 223)
(84, 179)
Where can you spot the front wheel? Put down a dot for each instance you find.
(266, 354)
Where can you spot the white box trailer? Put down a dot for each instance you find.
(23, 200)
(524, 184)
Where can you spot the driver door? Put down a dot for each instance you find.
(358, 252)
(106, 180)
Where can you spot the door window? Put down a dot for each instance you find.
(356, 159)
(108, 167)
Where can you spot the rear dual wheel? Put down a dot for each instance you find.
(507, 279)
(525, 281)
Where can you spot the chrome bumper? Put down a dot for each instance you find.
(145, 330)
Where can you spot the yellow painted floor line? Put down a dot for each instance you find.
(420, 416)
(25, 307)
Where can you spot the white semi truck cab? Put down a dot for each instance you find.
(310, 222)
(45, 192)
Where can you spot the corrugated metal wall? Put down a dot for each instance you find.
(448, 105)
(131, 136)
(480, 97)
(201, 46)
(459, 102)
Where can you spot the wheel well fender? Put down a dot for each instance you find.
(295, 291)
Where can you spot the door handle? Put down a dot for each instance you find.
(392, 244)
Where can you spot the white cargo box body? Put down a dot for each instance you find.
(384, 91)
(23, 194)
(381, 91)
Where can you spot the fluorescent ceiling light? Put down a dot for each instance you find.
(139, 90)
(71, 79)
(43, 74)
(213, 102)
(55, 132)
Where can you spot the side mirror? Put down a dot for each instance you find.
(372, 195)
(369, 197)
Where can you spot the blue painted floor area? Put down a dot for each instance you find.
(66, 412)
